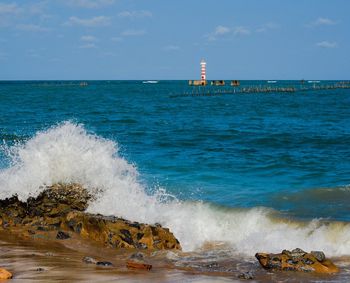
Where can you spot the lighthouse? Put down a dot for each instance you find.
(203, 80)
(203, 71)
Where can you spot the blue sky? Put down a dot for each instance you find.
(161, 39)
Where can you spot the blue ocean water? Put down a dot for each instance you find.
(286, 151)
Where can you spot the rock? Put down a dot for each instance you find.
(320, 256)
(132, 264)
(4, 274)
(104, 263)
(62, 207)
(137, 261)
(297, 260)
(119, 233)
(62, 235)
(137, 256)
(58, 200)
(246, 276)
(297, 253)
(42, 228)
(40, 269)
(89, 260)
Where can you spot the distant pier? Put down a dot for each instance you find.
(220, 89)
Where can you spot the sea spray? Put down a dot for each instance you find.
(68, 153)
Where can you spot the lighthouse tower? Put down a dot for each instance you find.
(203, 72)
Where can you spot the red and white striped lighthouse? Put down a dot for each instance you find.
(203, 71)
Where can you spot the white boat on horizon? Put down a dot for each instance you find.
(150, 82)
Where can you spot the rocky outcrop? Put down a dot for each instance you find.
(4, 274)
(297, 260)
(62, 207)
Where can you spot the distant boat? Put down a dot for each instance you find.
(313, 82)
(271, 82)
(150, 82)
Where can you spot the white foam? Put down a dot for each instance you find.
(67, 153)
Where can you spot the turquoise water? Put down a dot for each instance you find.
(274, 165)
(241, 150)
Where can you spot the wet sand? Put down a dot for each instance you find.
(43, 258)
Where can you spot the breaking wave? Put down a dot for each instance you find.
(68, 153)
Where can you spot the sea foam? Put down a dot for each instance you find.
(68, 153)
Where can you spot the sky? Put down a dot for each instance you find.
(163, 39)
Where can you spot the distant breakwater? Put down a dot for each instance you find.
(210, 91)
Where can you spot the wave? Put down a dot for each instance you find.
(68, 153)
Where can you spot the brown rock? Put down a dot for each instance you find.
(61, 207)
(296, 260)
(4, 274)
(138, 265)
(120, 233)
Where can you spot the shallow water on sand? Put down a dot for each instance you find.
(50, 260)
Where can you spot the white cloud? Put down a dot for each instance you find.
(88, 46)
(90, 4)
(31, 27)
(88, 38)
(241, 31)
(12, 8)
(220, 30)
(267, 27)
(171, 48)
(322, 22)
(92, 22)
(327, 44)
(133, 32)
(135, 14)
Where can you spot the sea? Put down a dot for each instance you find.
(229, 173)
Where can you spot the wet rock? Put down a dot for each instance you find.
(62, 207)
(89, 260)
(320, 256)
(246, 276)
(62, 235)
(132, 264)
(42, 228)
(104, 263)
(297, 260)
(297, 253)
(137, 256)
(119, 233)
(58, 200)
(5, 274)
(137, 261)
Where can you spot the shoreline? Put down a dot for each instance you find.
(47, 259)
